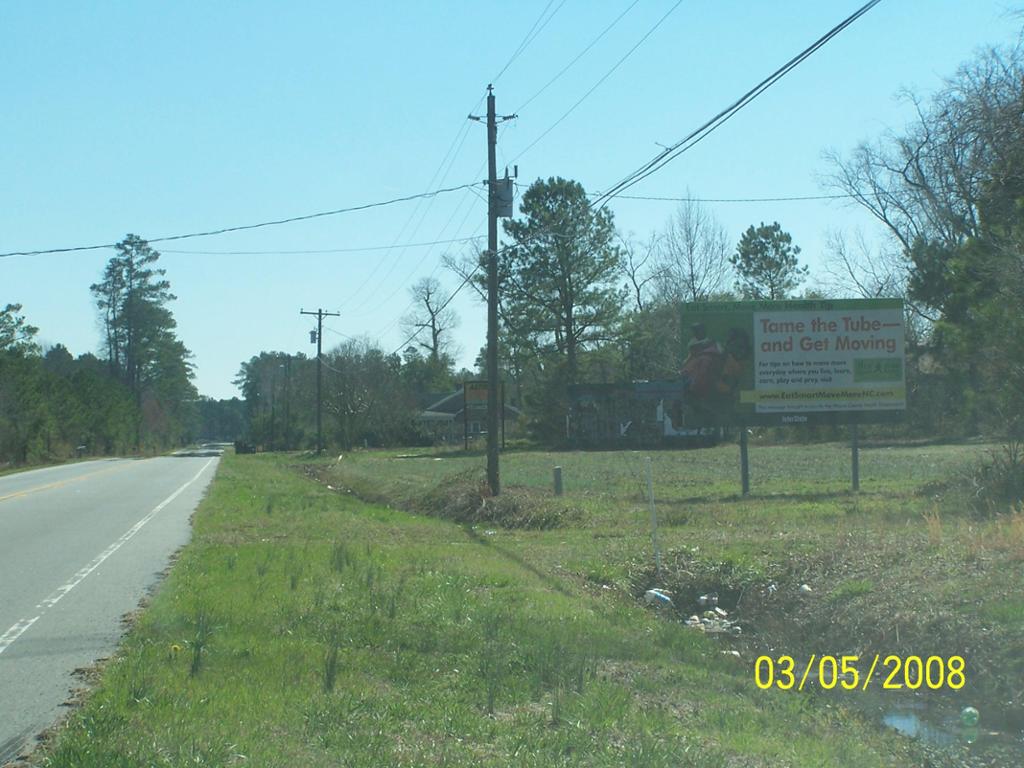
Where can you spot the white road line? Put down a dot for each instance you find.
(14, 632)
(54, 597)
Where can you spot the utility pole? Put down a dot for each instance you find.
(493, 212)
(273, 409)
(320, 315)
(287, 403)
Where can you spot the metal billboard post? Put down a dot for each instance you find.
(855, 455)
(744, 462)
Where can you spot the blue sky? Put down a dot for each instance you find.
(159, 119)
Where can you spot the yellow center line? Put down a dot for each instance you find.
(59, 483)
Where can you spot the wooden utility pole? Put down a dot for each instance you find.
(493, 385)
(287, 402)
(320, 315)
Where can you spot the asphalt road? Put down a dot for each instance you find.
(80, 546)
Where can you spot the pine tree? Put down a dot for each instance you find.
(766, 264)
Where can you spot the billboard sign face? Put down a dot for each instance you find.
(792, 362)
(475, 394)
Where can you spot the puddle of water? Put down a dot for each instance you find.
(910, 724)
(938, 730)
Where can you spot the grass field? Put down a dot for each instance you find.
(305, 625)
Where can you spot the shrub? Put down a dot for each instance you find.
(998, 483)
(466, 498)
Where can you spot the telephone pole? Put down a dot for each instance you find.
(493, 212)
(320, 315)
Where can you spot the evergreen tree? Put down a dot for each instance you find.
(766, 264)
(15, 333)
(142, 348)
(559, 277)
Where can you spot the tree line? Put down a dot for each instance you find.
(135, 396)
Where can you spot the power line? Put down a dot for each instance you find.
(330, 367)
(668, 155)
(449, 158)
(472, 272)
(398, 317)
(529, 37)
(224, 230)
(362, 249)
(779, 199)
(339, 333)
(415, 269)
(384, 280)
(604, 77)
(729, 199)
(538, 26)
(578, 56)
(697, 135)
(448, 301)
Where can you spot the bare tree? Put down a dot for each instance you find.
(430, 317)
(469, 268)
(852, 265)
(638, 264)
(693, 255)
(926, 184)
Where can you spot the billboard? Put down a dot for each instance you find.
(792, 362)
(474, 394)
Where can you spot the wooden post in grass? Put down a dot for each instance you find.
(558, 481)
(654, 516)
(744, 461)
(855, 455)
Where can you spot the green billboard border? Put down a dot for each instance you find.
(717, 415)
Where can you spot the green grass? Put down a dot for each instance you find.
(852, 588)
(322, 630)
(893, 569)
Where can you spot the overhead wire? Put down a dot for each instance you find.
(272, 223)
(529, 37)
(449, 158)
(425, 256)
(538, 26)
(604, 77)
(699, 134)
(469, 275)
(571, 109)
(616, 190)
(359, 249)
(448, 301)
(654, 166)
(691, 199)
(339, 333)
(578, 56)
(327, 365)
(398, 317)
(409, 306)
(531, 34)
(796, 198)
